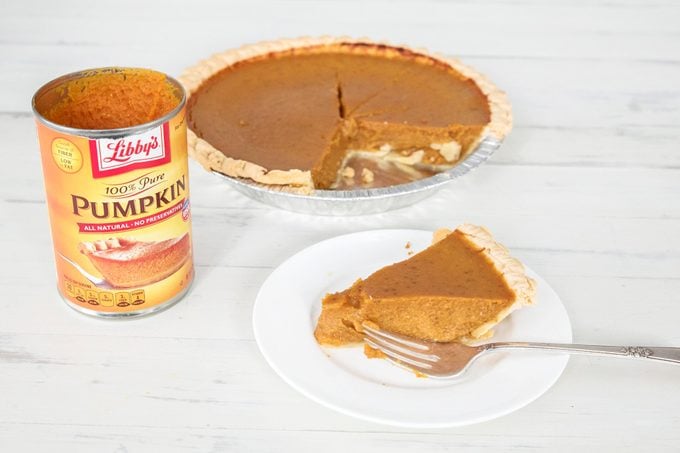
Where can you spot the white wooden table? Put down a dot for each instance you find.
(586, 190)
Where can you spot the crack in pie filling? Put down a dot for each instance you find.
(457, 289)
(297, 114)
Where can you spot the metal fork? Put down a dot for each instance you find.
(450, 360)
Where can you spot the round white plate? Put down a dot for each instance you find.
(289, 302)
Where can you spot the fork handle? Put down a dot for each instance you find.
(663, 354)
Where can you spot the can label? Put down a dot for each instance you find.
(120, 215)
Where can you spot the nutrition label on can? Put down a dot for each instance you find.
(106, 298)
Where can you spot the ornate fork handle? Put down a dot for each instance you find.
(662, 354)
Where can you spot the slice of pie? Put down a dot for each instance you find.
(457, 289)
(310, 113)
(128, 263)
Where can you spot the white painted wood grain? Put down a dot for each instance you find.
(586, 190)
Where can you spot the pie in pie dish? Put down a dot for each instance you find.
(305, 113)
(128, 263)
(457, 289)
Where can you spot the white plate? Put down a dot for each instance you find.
(343, 379)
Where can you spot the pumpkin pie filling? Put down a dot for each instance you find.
(86, 103)
(296, 116)
(455, 290)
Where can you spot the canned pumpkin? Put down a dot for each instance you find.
(114, 158)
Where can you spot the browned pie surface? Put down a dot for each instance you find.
(292, 110)
(278, 113)
(407, 90)
(452, 267)
(442, 293)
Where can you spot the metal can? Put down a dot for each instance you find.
(118, 197)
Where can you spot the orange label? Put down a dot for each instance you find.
(120, 216)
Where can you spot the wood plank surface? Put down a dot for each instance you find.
(586, 191)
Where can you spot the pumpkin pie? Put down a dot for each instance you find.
(457, 289)
(128, 263)
(291, 114)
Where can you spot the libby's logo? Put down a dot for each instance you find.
(144, 150)
(124, 150)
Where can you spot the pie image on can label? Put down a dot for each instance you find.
(114, 157)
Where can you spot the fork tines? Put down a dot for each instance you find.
(399, 349)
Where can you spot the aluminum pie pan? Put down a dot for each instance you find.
(363, 201)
